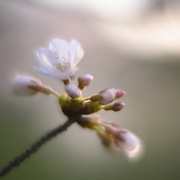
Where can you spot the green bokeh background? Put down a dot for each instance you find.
(152, 84)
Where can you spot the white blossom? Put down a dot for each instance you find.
(60, 60)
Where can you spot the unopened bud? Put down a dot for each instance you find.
(25, 85)
(72, 91)
(120, 93)
(105, 97)
(85, 81)
(117, 106)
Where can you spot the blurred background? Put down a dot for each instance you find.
(133, 45)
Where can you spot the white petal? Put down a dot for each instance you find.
(63, 75)
(77, 51)
(41, 71)
(59, 46)
(131, 145)
(46, 56)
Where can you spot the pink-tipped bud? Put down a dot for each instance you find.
(72, 91)
(117, 106)
(120, 93)
(105, 97)
(85, 81)
(25, 85)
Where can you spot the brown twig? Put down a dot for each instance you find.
(35, 147)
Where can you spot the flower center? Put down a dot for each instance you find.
(62, 64)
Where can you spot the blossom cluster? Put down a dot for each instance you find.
(60, 61)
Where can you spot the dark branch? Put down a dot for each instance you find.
(35, 147)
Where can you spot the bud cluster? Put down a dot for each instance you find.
(60, 61)
(73, 104)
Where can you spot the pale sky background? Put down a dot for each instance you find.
(147, 27)
(106, 9)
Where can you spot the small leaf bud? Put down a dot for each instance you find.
(91, 107)
(90, 122)
(65, 103)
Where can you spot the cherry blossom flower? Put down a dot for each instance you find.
(60, 60)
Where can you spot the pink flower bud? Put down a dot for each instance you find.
(85, 81)
(117, 106)
(25, 85)
(72, 91)
(120, 93)
(106, 96)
